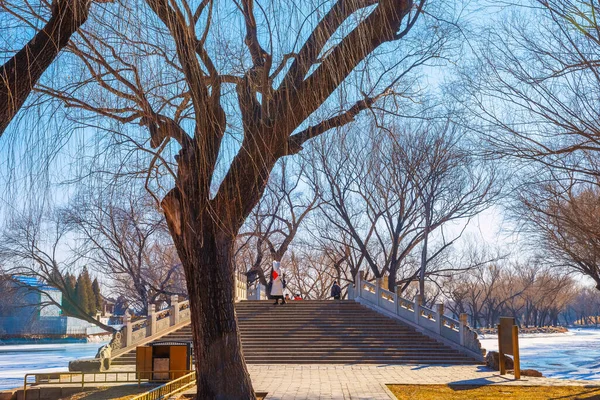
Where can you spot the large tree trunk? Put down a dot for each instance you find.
(206, 252)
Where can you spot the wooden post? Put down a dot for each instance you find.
(508, 343)
(501, 360)
(517, 361)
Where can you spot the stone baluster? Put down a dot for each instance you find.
(151, 328)
(439, 318)
(378, 283)
(398, 294)
(128, 330)
(174, 310)
(462, 328)
(418, 303)
(358, 289)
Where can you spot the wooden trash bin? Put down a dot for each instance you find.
(157, 361)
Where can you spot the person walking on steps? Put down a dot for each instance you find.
(336, 291)
(277, 283)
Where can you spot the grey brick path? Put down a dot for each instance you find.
(357, 382)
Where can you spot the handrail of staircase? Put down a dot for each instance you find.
(430, 321)
(170, 388)
(62, 378)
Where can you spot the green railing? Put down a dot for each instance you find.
(169, 389)
(94, 378)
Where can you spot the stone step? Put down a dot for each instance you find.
(331, 332)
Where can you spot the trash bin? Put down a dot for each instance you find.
(158, 360)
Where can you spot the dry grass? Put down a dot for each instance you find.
(493, 392)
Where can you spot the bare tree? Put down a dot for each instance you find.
(276, 220)
(390, 191)
(186, 77)
(32, 245)
(124, 236)
(533, 88)
(561, 216)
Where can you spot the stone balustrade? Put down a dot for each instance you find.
(414, 313)
(157, 321)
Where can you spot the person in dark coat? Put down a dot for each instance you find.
(336, 291)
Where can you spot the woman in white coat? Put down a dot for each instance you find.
(277, 283)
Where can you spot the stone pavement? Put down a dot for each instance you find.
(357, 382)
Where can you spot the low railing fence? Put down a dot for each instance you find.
(169, 389)
(95, 378)
(415, 313)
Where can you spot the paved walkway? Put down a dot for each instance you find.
(357, 382)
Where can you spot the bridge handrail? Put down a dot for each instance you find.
(414, 313)
(136, 331)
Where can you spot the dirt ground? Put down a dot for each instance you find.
(493, 392)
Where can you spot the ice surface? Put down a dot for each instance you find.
(572, 355)
(17, 360)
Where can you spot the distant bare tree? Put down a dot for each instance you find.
(123, 236)
(276, 220)
(562, 217)
(31, 245)
(390, 191)
(534, 88)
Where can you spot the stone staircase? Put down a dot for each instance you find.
(325, 332)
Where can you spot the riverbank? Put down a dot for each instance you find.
(570, 355)
(544, 330)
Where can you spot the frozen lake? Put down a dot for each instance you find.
(572, 355)
(17, 360)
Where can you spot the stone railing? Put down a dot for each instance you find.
(431, 322)
(258, 292)
(157, 321)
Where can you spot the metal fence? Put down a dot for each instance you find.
(94, 378)
(169, 389)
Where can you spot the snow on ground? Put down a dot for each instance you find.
(572, 355)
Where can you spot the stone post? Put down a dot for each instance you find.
(439, 318)
(151, 328)
(398, 293)
(462, 328)
(174, 309)
(358, 284)
(378, 283)
(128, 331)
(418, 303)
